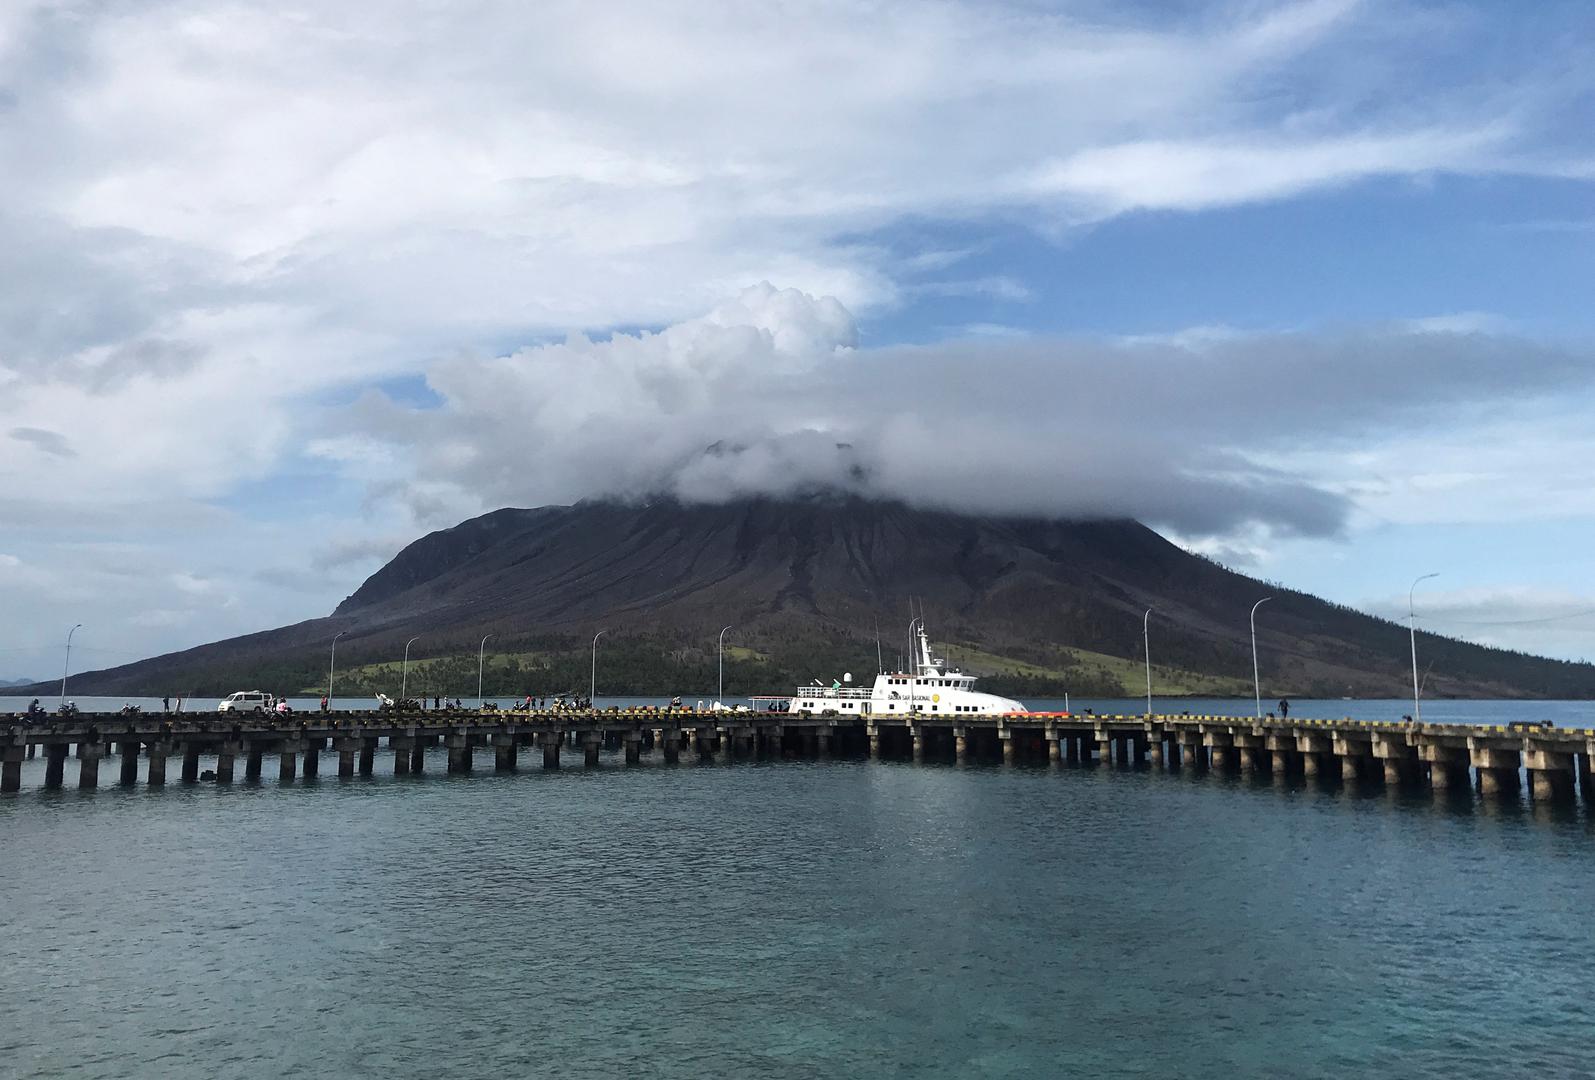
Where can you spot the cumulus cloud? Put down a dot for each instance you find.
(769, 394)
(235, 218)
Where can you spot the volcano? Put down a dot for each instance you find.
(811, 585)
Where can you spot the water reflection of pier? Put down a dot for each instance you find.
(1492, 759)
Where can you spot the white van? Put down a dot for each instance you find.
(244, 701)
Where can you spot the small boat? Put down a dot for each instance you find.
(931, 689)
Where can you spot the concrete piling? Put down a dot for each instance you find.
(368, 755)
(505, 751)
(287, 761)
(88, 764)
(55, 764)
(129, 770)
(225, 755)
(252, 762)
(1550, 774)
(1496, 767)
(190, 772)
(348, 748)
(11, 767)
(157, 753)
(590, 746)
(960, 745)
(551, 742)
(459, 750)
(402, 746)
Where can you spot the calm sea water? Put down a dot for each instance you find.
(790, 919)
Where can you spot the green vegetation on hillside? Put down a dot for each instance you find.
(635, 665)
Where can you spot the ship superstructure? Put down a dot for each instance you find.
(931, 688)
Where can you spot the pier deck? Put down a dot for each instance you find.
(1493, 759)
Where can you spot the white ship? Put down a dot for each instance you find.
(931, 689)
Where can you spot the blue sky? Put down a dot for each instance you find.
(1302, 283)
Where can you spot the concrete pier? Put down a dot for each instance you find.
(1220, 743)
(11, 759)
(156, 754)
(129, 762)
(1355, 751)
(1448, 765)
(1550, 773)
(1398, 757)
(459, 751)
(403, 747)
(505, 751)
(1249, 751)
(348, 749)
(1496, 766)
(1403, 755)
(88, 764)
(54, 764)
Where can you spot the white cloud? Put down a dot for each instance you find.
(768, 394)
(234, 214)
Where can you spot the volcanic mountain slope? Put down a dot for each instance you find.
(801, 579)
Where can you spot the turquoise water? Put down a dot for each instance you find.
(791, 919)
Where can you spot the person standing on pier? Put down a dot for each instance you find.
(1284, 709)
(324, 702)
(166, 703)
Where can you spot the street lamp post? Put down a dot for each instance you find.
(592, 682)
(479, 655)
(67, 664)
(1257, 682)
(404, 676)
(332, 664)
(1146, 645)
(719, 701)
(1412, 631)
